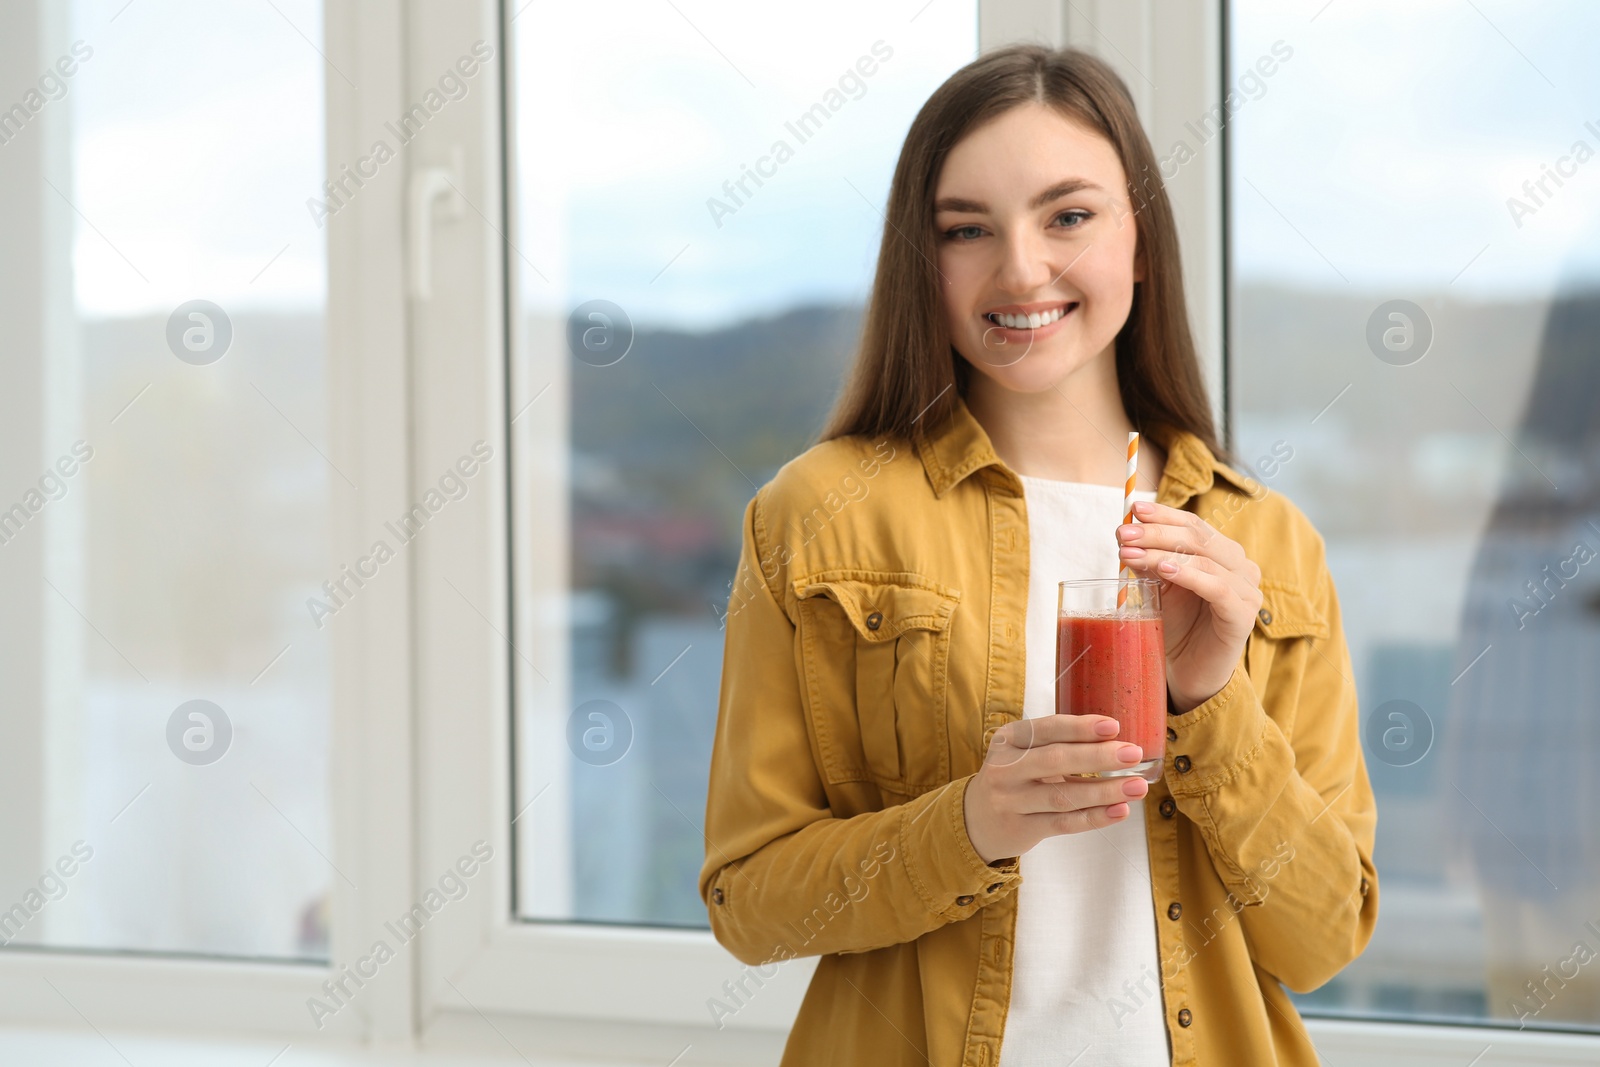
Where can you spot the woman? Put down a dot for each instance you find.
(887, 784)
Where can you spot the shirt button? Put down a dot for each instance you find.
(875, 620)
(1168, 808)
(1174, 910)
(997, 885)
(963, 900)
(1265, 616)
(1182, 763)
(716, 895)
(1363, 885)
(1184, 1018)
(1172, 735)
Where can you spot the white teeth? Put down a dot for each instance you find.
(1028, 322)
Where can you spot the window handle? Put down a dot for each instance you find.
(429, 186)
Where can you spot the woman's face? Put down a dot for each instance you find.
(1033, 219)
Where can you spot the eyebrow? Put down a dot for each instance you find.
(978, 207)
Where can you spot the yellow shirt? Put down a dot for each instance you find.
(875, 643)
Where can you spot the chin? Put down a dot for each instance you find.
(1041, 369)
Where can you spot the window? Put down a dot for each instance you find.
(440, 714)
(699, 217)
(165, 486)
(1414, 296)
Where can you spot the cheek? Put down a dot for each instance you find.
(1109, 306)
(1105, 277)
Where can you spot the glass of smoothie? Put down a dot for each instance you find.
(1110, 660)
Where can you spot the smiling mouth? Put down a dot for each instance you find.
(1037, 320)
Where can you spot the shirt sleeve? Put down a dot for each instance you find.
(1284, 803)
(782, 876)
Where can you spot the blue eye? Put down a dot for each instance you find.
(1077, 213)
(953, 233)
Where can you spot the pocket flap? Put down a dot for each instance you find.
(1287, 612)
(882, 606)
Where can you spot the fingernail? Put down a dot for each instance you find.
(1168, 567)
(1135, 787)
(1117, 811)
(1130, 552)
(1131, 532)
(1143, 507)
(1107, 727)
(1130, 753)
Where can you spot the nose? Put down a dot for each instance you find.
(1024, 267)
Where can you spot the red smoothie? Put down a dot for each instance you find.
(1116, 665)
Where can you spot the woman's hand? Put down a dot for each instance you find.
(1020, 795)
(1210, 601)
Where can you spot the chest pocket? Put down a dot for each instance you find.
(1285, 613)
(876, 649)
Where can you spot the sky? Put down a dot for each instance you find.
(1381, 153)
(197, 136)
(1385, 149)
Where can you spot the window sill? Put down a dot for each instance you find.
(1414, 1045)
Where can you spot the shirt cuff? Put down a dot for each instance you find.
(947, 872)
(1212, 743)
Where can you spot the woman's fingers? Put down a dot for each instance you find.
(1066, 759)
(1021, 740)
(1150, 544)
(1054, 745)
(1173, 530)
(1234, 609)
(1051, 824)
(1155, 562)
(1078, 794)
(1212, 581)
(1052, 729)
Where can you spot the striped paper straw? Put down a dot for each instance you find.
(1127, 512)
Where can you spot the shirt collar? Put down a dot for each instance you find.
(960, 445)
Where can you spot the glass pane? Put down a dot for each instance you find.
(164, 495)
(717, 180)
(1416, 244)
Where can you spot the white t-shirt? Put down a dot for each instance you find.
(1086, 972)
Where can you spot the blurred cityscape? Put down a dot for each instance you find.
(1435, 486)
(656, 514)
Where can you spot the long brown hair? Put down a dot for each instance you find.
(906, 365)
